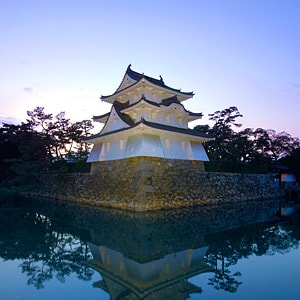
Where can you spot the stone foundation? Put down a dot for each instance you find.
(148, 166)
(144, 183)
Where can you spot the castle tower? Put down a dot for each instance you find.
(147, 119)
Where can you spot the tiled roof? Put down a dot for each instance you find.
(138, 76)
(118, 107)
(177, 129)
(156, 126)
(166, 102)
(101, 116)
(143, 99)
(171, 100)
(195, 114)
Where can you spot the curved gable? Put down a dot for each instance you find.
(126, 82)
(114, 122)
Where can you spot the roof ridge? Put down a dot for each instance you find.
(137, 76)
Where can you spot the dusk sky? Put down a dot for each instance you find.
(63, 55)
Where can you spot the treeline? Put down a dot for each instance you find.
(248, 150)
(48, 143)
(44, 143)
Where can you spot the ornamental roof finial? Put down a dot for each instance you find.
(161, 79)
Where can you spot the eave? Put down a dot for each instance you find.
(118, 95)
(136, 76)
(101, 118)
(150, 126)
(194, 116)
(190, 115)
(141, 103)
(144, 102)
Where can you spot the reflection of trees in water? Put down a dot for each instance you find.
(223, 279)
(46, 252)
(63, 259)
(227, 248)
(49, 249)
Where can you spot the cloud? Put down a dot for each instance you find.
(28, 90)
(291, 86)
(8, 120)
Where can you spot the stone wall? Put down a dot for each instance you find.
(144, 183)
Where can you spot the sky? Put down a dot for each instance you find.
(63, 55)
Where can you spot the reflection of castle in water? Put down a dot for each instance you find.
(167, 276)
(152, 255)
(148, 256)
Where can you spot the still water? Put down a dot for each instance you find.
(69, 252)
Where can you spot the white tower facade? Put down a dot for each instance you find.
(147, 118)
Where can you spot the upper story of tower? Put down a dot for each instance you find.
(135, 86)
(140, 97)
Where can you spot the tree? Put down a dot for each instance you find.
(250, 150)
(41, 145)
(63, 136)
(273, 146)
(43, 123)
(222, 130)
(281, 144)
(23, 151)
(76, 131)
(228, 147)
(292, 161)
(241, 147)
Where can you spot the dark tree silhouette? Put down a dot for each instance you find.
(247, 150)
(42, 144)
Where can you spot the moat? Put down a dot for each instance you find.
(212, 252)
